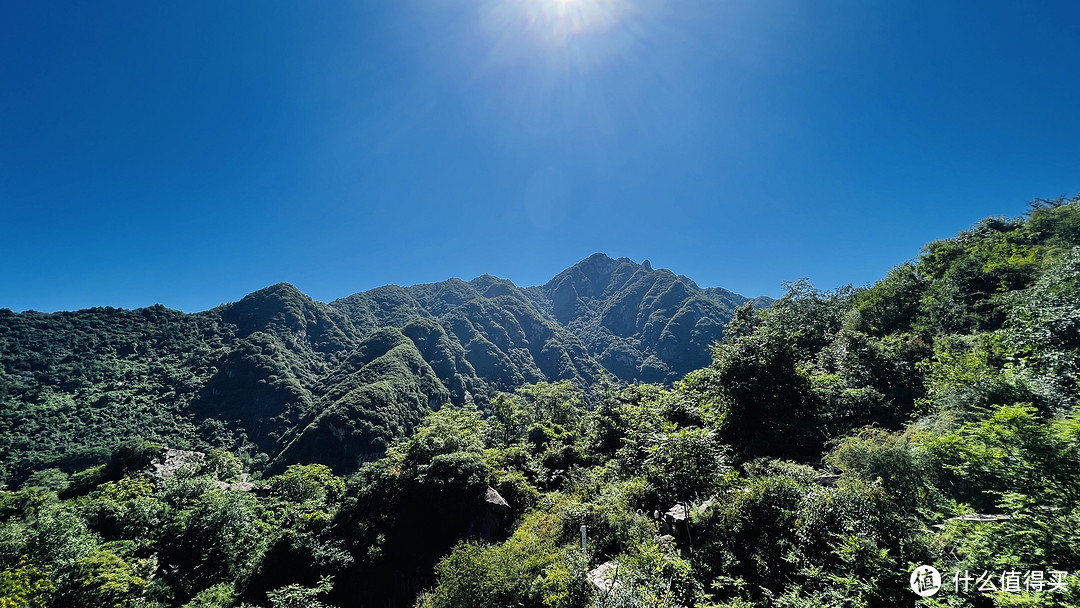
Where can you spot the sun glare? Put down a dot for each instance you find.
(557, 22)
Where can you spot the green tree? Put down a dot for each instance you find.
(298, 596)
(222, 539)
(103, 579)
(443, 432)
(686, 462)
(25, 586)
(218, 596)
(311, 485)
(1043, 326)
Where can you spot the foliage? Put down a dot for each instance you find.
(25, 586)
(836, 440)
(103, 579)
(296, 596)
(218, 596)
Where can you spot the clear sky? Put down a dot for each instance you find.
(187, 153)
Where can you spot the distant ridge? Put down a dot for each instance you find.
(280, 374)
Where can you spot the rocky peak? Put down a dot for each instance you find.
(597, 276)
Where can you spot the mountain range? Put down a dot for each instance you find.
(282, 378)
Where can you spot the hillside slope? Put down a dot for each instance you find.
(282, 378)
(835, 441)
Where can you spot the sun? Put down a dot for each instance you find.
(558, 22)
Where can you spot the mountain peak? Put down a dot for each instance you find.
(595, 272)
(597, 258)
(274, 297)
(285, 309)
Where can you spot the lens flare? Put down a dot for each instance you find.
(554, 23)
(551, 67)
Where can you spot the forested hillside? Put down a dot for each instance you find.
(828, 445)
(281, 379)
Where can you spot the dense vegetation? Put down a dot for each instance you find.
(279, 378)
(835, 442)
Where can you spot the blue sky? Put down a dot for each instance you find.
(189, 153)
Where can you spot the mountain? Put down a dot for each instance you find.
(834, 439)
(640, 324)
(283, 378)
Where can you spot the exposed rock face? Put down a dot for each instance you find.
(172, 461)
(605, 577)
(491, 522)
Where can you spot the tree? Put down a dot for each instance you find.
(25, 586)
(218, 596)
(1043, 326)
(686, 462)
(103, 579)
(223, 539)
(312, 484)
(297, 596)
(443, 432)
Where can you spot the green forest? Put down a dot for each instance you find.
(618, 437)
